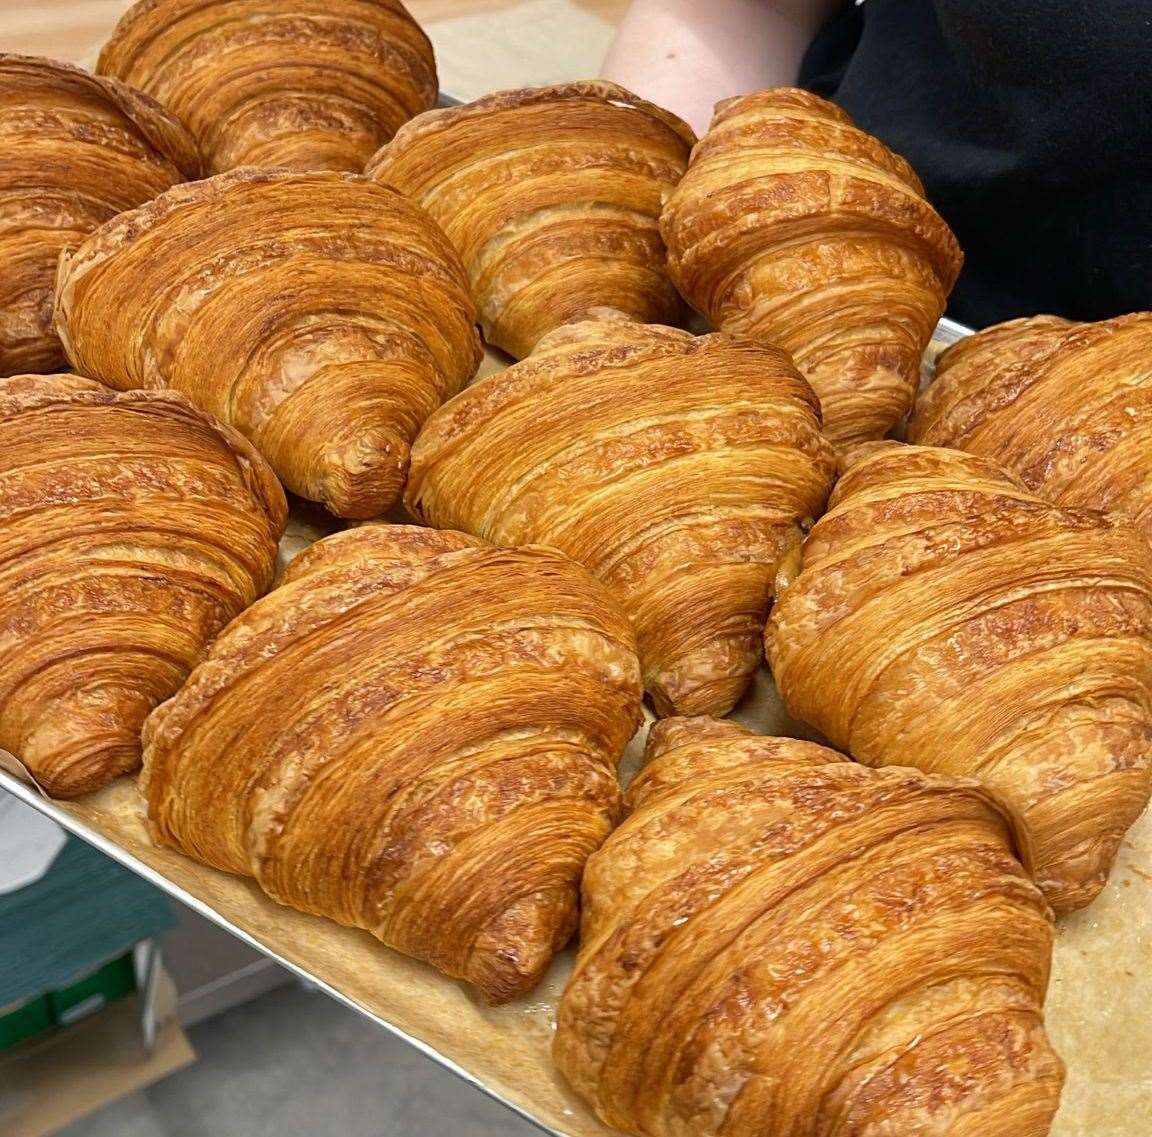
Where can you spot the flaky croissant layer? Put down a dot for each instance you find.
(551, 195)
(793, 226)
(420, 734)
(303, 84)
(321, 315)
(132, 528)
(945, 617)
(778, 942)
(75, 150)
(1067, 406)
(679, 470)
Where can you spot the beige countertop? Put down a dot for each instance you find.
(481, 45)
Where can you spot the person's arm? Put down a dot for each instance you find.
(686, 55)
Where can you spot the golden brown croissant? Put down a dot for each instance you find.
(551, 195)
(132, 528)
(75, 149)
(1067, 406)
(421, 735)
(321, 315)
(307, 84)
(677, 469)
(780, 943)
(793, 226)
(946, 618)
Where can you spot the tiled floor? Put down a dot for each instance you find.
(293, 1063)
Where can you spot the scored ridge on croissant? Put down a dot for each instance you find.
(75, 149)
(792, 225)
(679, 470)
(305, 84)
(551, 195)
(420, 734)
(945, 617)
(778, 942)
(1066, 406)
(132, 528)
(321, 315)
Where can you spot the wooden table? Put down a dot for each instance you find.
(481, 45)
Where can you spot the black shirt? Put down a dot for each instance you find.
(1030, 124)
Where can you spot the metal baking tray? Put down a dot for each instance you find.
(504, 1052)
(949, 331)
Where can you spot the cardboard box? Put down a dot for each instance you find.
(52, 1081)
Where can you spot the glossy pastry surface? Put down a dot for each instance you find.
(75, 149)
(552, 196)
(1067, 406)
(795, 227)
(947, 618)
(306, 84)
(678, 469)
(415, 734)
(321, 315)
(778, 942)
(132, 528)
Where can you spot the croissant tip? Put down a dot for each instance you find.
(851, 454)
(671, 733)
(84, 770)
(1078, 878)
(674, 696)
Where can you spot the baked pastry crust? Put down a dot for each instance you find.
(551, 195)
(680, 470)
(132, 528)
(420, 734)
(793, 226)
(1067, 406)
(781, 943)
(321, 315)
(945, 617)
(303, 84)
(75, 149)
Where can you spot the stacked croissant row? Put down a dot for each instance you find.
(417, 731)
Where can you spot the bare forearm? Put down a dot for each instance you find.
(687, 55)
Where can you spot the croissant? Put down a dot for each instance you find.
(551, 195)
(793, 226)
(421, 736)
(944, 617)
(306, 84)
(132, 528)
(321, 315)
(1067, 406)
(780, 943)
(75, 149)
(679, 470)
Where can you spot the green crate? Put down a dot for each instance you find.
(69, 1004)
(86, 996)
(26, 1021)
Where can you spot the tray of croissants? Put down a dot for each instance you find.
(679, 732)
